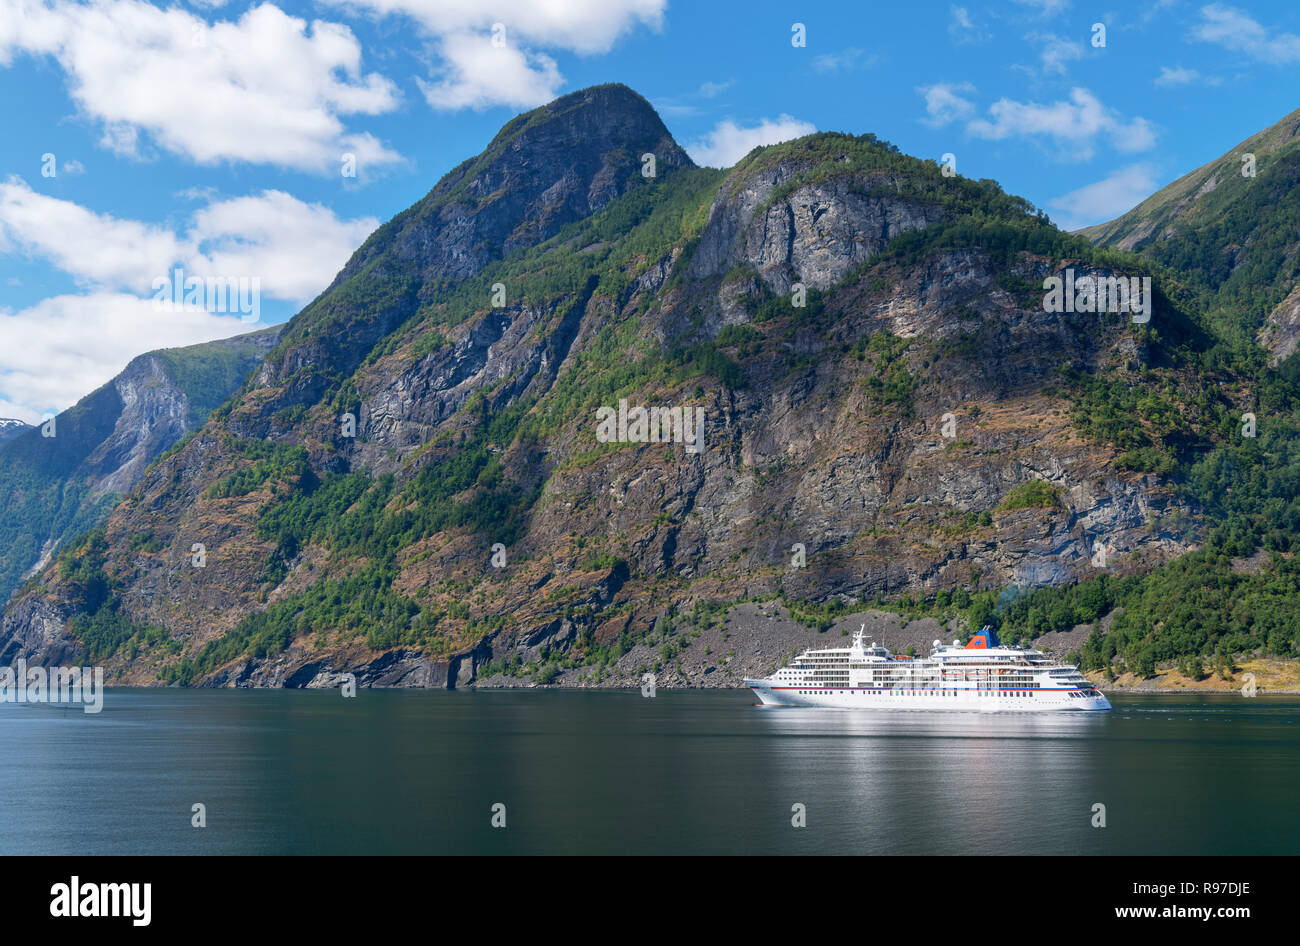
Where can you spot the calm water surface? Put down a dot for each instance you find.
(416, 772)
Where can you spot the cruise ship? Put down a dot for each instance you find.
(982, 676)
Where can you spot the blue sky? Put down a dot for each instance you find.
(212, 134)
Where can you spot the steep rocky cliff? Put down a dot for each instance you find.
(62, 480)
(543, 170)
(412, 488)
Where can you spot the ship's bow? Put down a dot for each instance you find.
(763, 690)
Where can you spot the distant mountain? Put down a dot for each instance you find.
(442, 473)
(10, 428)
(1234, 226)
(58, 486)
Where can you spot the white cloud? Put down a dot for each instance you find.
(582, 26)
(57, 351)
(728, 142)
(1155, 9)
(946, 102)
(121, 138)
(1105, 199)
(844, 61)
(680, 107)
(294, 248)
(1056, 52)
(478, 74)
(266, 89)
(1046, 7)
(96, 249)
(1235, 30)
(963, 28)
(1176, 76)
(1076, 126)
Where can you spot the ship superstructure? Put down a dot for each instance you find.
(982, 675)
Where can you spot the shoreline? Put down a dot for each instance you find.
(633, 688)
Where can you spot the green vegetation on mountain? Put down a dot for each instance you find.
(1171, 419)
(354, 541)
(1033, 494)
(209, 373)
(465, 488)
(1229, 227)
(100, 623)
(463, 485)
(1206, 604)
(53, 486)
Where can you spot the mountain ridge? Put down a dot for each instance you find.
(1174, 197)
(57, 486)
(468, 220)
(1231, 225)
(11, 427)
(371, 548)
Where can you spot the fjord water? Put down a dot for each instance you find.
(417, 772)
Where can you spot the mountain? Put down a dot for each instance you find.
(11, 428)
(58, 481)
(543, 170)
(437, 476)
(1234, 226)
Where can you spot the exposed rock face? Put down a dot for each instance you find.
(502, 353)
(1281, 331)
(559, 164)
(396, 668)
(101, 446)
(572, 160)
(815, 234)
(153, 416)
(36, 630)
(880, 433)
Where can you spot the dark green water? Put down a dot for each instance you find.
(309, 772)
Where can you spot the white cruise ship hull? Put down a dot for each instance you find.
(958, 700)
